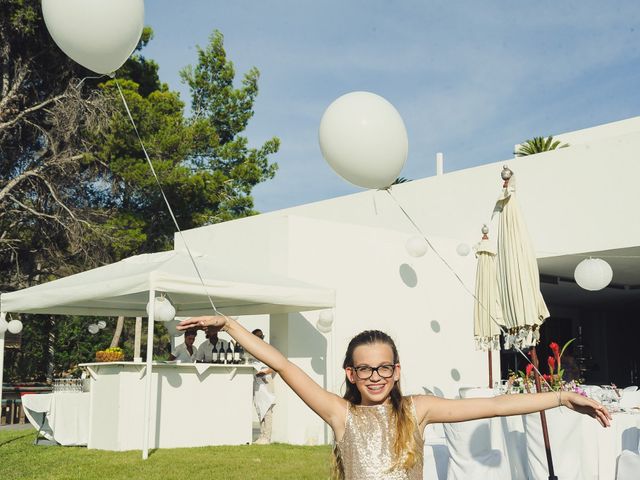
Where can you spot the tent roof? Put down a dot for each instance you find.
(122, 289)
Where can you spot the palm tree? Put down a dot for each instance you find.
(538, 145)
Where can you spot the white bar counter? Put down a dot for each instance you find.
(193, 405)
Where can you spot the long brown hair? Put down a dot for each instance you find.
(406, 447)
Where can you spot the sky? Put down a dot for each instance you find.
(470, 78)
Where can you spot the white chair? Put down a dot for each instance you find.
(436, 453)
(628, 467)
(474, 453)
(630, 400)
(565, 439)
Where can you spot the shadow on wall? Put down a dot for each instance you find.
(312, 344)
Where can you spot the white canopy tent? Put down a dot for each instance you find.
(126, 287)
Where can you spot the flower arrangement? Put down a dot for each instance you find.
(113, 354)
(553, 381)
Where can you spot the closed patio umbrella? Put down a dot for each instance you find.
(523, 308)
(487, 313)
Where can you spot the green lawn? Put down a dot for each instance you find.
(19, 459)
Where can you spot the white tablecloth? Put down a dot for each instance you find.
(67, 416)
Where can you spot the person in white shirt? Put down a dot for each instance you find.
(205, 350)
(263, 397)
(186, 352)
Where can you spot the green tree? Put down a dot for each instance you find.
(75, 189)
(538, 145)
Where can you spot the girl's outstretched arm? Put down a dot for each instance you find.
(330, 407)
(432, 409)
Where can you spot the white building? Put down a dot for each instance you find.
(578, 200)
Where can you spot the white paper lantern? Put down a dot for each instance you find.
(322, 327)
(14, 326)
(593, 274)
(326, 319)
(416, 246)
(4, 325)
(101, 324)
(463, 249)
(93, 329)
(163, 311)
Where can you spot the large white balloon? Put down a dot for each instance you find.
(593, 274)
(363, 138)
(98, 34)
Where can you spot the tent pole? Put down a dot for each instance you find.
(490, 358)
(3, 316)
(136, 340)
(147, 393)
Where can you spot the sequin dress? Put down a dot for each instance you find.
(367, 445)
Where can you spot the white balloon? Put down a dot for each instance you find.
(101, 324)
(363, 138)
(323, 328)
(98, 34)
(93, 329)
(463, 249)
(14, 326)
(163, 311)
(416, 246)
(593, 274)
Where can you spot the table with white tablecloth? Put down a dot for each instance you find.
(62, 417)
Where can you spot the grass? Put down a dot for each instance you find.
(20, 459)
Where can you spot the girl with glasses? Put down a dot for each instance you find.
(378, 431)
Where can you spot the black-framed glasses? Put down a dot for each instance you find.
(365, 372)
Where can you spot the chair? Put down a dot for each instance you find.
(565, 438)
(628, 466)
(629, 400)
(436, 453)
(475, 453)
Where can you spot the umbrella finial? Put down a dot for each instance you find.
(485, 231)
(506, 174)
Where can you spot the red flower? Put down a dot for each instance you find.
(529, 369)
(552, 364)
(555, 349)
(547, 377)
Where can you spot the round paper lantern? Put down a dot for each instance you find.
(4, 325)
(14, 326)
(322, 328)
(163, 311)
(593, 274)
(463, 249)
(326, 319)
(416, 246)
(363, 138)
(93, 329)
(98, 34)
(101, 324)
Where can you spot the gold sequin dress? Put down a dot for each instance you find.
(367, 445)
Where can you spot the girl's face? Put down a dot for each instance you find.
(376, 389)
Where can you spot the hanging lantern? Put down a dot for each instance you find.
(463, 249)
(93, 329)
(416, 246)
(4, 325)
(325, 319)
(14, 326)
(593, 274)
(322, 327)
(163, 310)
(101, 324)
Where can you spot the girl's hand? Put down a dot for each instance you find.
(587, 406)
(217, 321)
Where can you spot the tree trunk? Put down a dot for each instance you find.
(116, 335)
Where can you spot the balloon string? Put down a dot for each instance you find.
(166, 201)
(464, 285)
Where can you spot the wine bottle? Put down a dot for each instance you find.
(221, 354)
(240, 353)
(214, 354)
(229, 353)
(236, 353)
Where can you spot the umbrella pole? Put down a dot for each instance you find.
(543, 417)
(490, 358)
